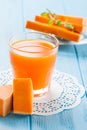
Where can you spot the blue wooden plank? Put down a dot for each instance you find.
(10, 23)
(15, 122)
(80, 116)
(82, 59)
(67, 61)
(81, 54)
(79, 113)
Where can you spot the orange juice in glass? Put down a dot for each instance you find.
(33, 55)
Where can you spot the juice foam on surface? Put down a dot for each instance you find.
(32, 47)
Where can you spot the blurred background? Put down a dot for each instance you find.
(14, 13)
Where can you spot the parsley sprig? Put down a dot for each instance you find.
(53, 19)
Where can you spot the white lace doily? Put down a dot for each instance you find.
(65, 93)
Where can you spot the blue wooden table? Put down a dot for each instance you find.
(71, 59)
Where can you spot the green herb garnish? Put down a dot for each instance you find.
(50, 21)
(44, 14)
(68, 25)
(53, 19)
(58, 22)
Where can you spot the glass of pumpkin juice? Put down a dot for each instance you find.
(33, 55)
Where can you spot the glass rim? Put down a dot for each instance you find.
(32, 32)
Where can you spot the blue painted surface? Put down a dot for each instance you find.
(71, 59)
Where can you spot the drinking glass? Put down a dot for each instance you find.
(33, 55)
